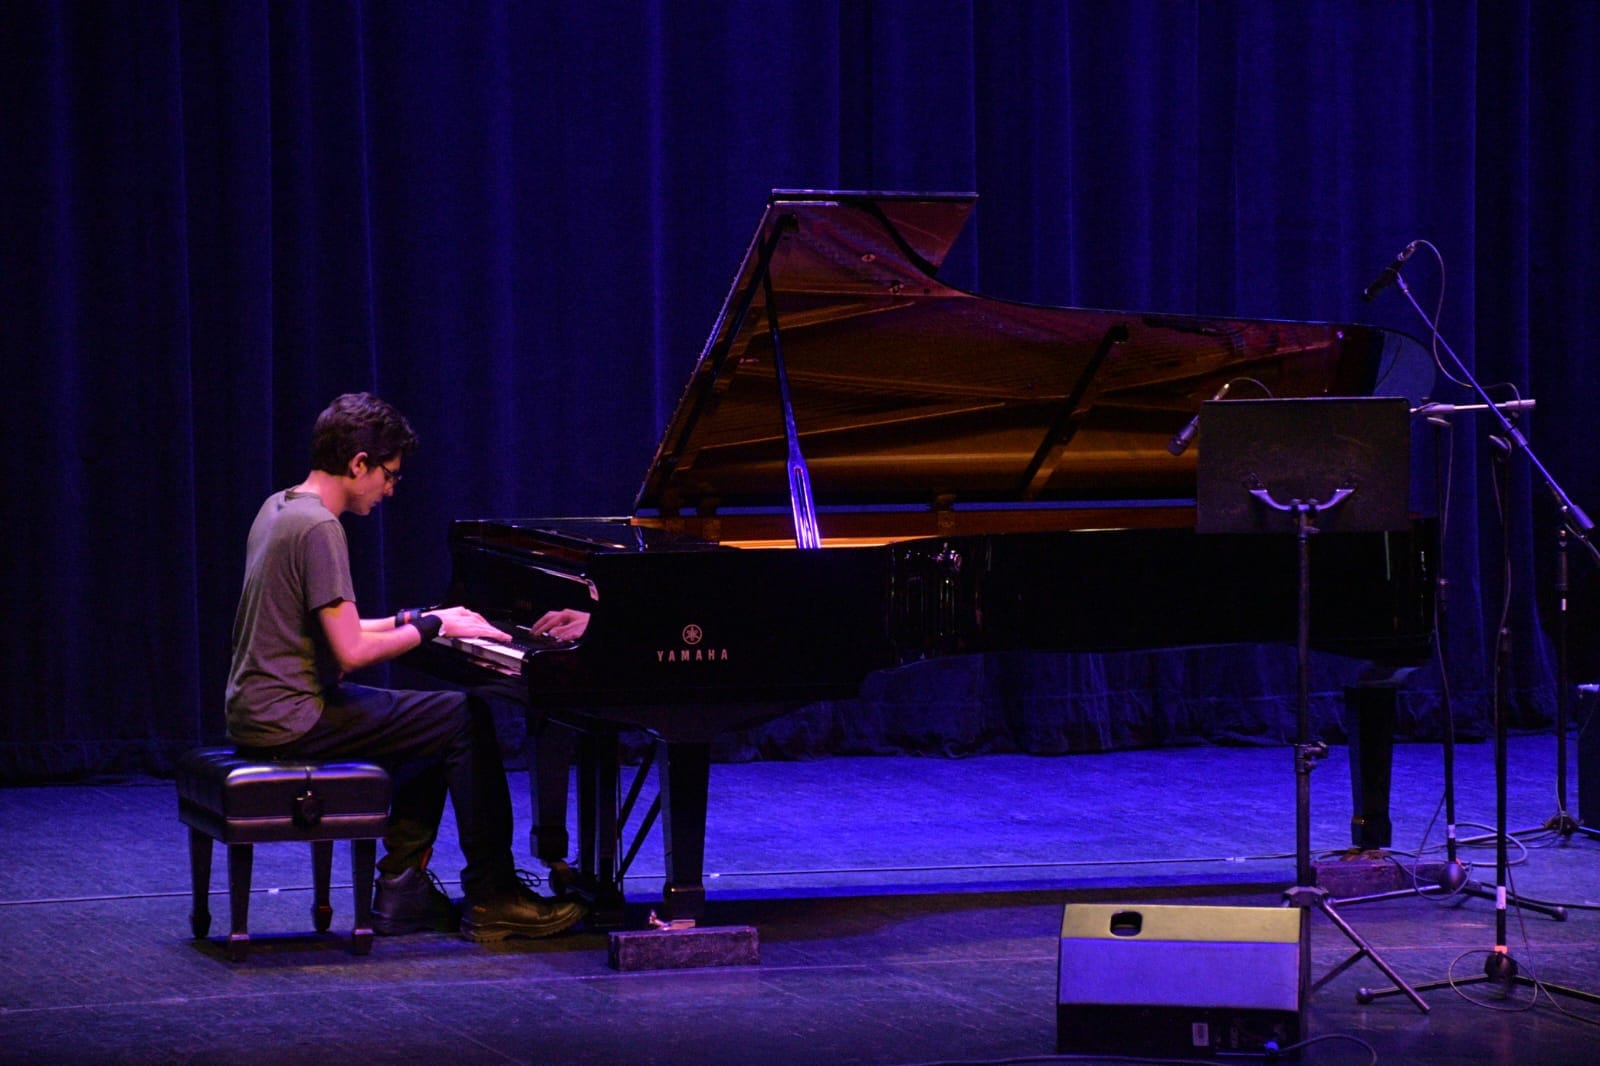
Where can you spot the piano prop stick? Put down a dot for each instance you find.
(1304, 467)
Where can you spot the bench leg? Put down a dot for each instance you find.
(241, 858)
(363, 861)
(321, 877)
(199, 883)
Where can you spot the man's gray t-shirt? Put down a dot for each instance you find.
(297, 561)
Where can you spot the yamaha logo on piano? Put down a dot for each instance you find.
(691, 651)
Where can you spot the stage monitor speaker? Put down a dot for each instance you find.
(1177, 981)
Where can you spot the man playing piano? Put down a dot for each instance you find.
(297, 633)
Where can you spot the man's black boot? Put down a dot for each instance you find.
(512, 909)
(411, 901)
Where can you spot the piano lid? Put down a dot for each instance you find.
(908, 391)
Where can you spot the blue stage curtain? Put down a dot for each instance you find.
(518, 219)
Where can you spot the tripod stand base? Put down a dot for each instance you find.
(1499, 968)
(1563, 825)
(1306, 897)
(1442, 881)
(1482, 891)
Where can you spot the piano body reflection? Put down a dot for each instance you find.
(869, 468)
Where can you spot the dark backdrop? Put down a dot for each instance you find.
(516, 220)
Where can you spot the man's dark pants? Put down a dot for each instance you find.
(433, 743)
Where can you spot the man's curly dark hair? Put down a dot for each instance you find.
(359, 422)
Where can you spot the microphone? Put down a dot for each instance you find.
(1513, 406)
(1390, 273)
(1179, 444)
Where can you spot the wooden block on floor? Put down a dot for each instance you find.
(678, 949)
(1364, 873)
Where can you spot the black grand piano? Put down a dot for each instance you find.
(869, 468)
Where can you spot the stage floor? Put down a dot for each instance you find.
(909, 911)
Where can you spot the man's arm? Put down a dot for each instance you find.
(357, 642)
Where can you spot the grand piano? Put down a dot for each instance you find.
(869, 468)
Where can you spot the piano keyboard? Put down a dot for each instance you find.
(502, 655)
(507, 658)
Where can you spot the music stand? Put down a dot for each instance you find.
(1300, 467)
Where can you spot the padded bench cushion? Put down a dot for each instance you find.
(238, 800)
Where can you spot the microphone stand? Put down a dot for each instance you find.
(1500, 967)
(1453, 878)
(1562, 822)
(1574, 523)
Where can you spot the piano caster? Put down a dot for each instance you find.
(683, 903)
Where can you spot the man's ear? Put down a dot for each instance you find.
(359, 464)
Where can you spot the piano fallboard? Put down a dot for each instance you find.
(689, 639)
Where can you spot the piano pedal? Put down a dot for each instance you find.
(670, 925)
(563, 878)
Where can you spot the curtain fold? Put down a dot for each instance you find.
(517, 221)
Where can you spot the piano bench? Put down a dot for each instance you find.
(242, 803)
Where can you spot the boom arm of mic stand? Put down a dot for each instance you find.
(1572, 516)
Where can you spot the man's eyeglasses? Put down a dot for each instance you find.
(389, 476)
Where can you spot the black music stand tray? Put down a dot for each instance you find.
(1307, 466)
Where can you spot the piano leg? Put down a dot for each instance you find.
(550, 750)
(685, 783)
(685, 780)
(1370, 712)
(599, 833)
